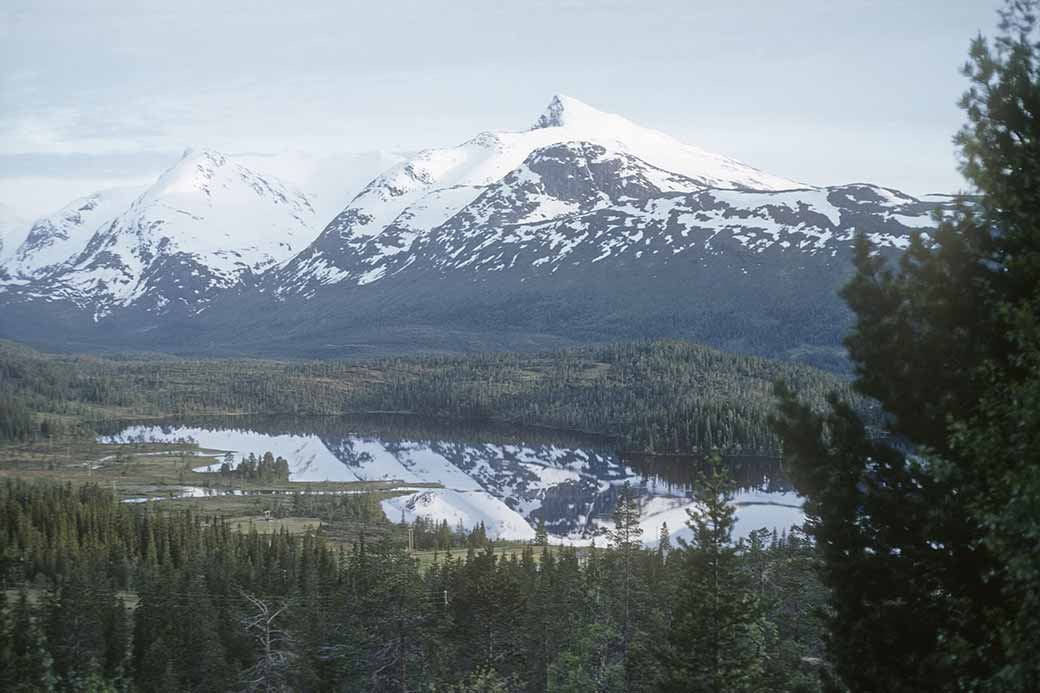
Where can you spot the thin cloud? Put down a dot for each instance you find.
(97, 78)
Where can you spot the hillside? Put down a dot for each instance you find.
(652, 396)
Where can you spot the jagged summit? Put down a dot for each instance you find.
(583, 122)
(566, 110)
(567, 118)
(553, 115)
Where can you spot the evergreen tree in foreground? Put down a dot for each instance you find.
(719, 633)
(933, 558)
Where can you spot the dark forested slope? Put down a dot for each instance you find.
(654, 396)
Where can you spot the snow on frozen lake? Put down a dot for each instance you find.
(507, 480)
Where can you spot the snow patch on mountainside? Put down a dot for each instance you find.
(577, 203)
(584, 187)
(60, 237)
(206, 224)
(330, 181)
(403, 204)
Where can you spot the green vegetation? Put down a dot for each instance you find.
(653, 396)
(257, 499)
(105, 596)
(919, 569)
(264, 468)
(933, 560)
(15, 421)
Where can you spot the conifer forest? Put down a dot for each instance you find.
(490, 561)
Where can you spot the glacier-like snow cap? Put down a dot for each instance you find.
(578, 121)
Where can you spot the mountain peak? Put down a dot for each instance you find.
(192, 173)
(566, 110)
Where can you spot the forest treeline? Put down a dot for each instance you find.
(653, 396)
(103, 596)
(265, 468)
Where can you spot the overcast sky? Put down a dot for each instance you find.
(95, 94)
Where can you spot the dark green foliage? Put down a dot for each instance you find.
(652, 396)
(893, 551)
(932, 558)
(720, 635)
(1005, 437)
(365, 619)
(32, 664)
(15, 420)
(587, 664)
(265, 468)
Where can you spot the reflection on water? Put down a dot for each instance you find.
(505, 477)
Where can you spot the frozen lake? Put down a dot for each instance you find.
(505, 477)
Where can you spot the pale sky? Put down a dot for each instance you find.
(95, 94)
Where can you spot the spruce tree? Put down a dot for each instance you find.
(587, 664)
(34, 666)
(717, 637)
(935, 553)
(117, 639)
(7, 658)
(625, 541)
(664, 540)
(541, 537)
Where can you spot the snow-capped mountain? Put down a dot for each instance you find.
(207, 225)
(585, 227)
(579, 203)
(418, 195)
(330, 181)
(608, 208)
(60, 237)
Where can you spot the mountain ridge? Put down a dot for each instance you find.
(583, 228)
(200, 218)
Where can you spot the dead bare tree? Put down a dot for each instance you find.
(275, 646)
